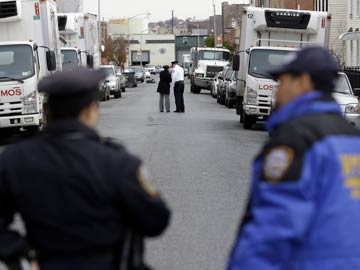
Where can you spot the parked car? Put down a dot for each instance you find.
(104, 91)
(215, 85)
(112, 80)
(122, 79)
(139, 73)
(227, 73)
(158, 69)
(150, 68)
(348, 102)
(130, 78)
(230, 90)
(149, 78)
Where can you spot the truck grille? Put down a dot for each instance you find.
(8, 9)
(11, 108)
(264, 100)
(212, 70)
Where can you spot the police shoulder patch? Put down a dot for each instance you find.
(145, 180)
(277, 161)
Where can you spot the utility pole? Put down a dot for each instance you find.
(215, 36)
(172, 21)
(99, 29)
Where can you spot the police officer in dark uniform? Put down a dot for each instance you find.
(304, 207)
(77, 193)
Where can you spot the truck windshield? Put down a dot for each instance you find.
(342, 85)
(69, 60)
(262, 61)
(16, 62)
(214, 55)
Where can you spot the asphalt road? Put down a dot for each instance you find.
(200, 161)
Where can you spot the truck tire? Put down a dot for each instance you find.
(248, 121)
(123, 89)
(222, 100)
(195, 89)
(239, 105)
(117, 94)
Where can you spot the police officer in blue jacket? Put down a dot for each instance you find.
(78, 194)
(304, 208)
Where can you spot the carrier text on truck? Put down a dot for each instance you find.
(268, 36)
(29, 50)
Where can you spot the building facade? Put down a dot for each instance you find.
(232, 15)
(152, 49)
(183, 44)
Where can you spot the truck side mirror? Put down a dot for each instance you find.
(236, 62)
(51, 60)
(90, 61)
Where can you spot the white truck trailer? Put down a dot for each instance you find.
(29, 50)
(206, 63)
(268, 36)
(79, 31)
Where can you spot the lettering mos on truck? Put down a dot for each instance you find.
(267, 38)
(29, 50)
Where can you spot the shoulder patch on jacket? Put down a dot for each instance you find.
(277, 162)
(145, 180)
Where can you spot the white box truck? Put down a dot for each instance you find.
(206, 63)
(29, 50)
(79, 32)
(267, 38)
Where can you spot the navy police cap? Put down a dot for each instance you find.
(69, 83)
(312, 60)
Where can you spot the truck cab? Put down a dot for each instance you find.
(206, 63)
(70, 58)
(267, 38)
(29, 51)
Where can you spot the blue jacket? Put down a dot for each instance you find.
(304, 207)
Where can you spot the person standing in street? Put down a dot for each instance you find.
(179, 87)
(78, 194)
(304, 207)
(164, 89)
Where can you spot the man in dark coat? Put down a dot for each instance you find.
(77, 193)
(164, 89)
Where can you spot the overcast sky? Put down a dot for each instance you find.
(159, 9)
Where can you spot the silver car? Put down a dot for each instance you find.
(112, 81)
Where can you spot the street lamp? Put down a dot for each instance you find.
(129, 19)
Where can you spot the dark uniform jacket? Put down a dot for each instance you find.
(164, 84)
(77, 195)
(304, 209)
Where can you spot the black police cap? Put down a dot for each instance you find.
(316, 61)
(174, 62)
(80, 81)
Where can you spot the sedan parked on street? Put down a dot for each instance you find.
(139, 73)
(122, 79)
(230, 90)
(215, 84)
(222, 85)
(130, 78)
(112, 80)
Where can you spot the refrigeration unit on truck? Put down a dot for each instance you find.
(29, 50)
(206, 63)
(268, 36)
(79, 32)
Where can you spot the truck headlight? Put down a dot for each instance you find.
(251, 96)
(199, 75)
(352, 108)
(30, 103)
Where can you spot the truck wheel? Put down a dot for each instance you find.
(117, 94)
(123, 89)
(229, 104)
(248, 121)
(222, 100)
(239, 106)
